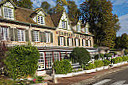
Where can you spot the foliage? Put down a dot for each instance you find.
(80, 55)
(90, 66)
(126, 51)
(108, 55)
(99, 63)
(46, 6)
(124, 41)
(118, 42)
(37, 79)
(117, 60)
(62, 67)
(103, 24)
(24, 3)
(73, 11)
(21, 61)
(96, 57)
(125, 58)
(106, 62)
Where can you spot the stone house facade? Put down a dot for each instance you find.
(54, 35)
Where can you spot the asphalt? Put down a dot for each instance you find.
(117, 78)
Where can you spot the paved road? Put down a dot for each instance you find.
(118, 78)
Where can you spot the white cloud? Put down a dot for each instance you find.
(124, 25)
(119, 2)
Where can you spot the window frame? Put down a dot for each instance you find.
(39, 20)
(41, 61)
(21, 36)
(64, 24)
(61, 41)
(4, 37)
(77, 42)
(8, 14)
(36, 38)
(70, 41)
(48, 37)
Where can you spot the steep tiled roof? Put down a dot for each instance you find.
(56, 18)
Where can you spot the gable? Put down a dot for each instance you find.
(8, 4)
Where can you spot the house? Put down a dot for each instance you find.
(54, 35)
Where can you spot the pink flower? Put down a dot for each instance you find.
(34, 80)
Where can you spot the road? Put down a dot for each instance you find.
(118, 78)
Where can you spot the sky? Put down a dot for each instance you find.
(120, 7)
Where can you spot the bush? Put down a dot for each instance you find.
(80, 55)
(90, 66)
(117, 60)
(106, 62)
(125, 58)
(62, 67)
(99, 56)
(108, 55)
(98, 63)
(21, 61)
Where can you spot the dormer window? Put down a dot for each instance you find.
(40, 20)
(64, 24)
(8, 13)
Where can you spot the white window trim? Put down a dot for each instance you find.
(77, 42)
(35, 36)
(48, 37)
(4, 38)
(64, 24)
(21, 35)
(70, 41)
(40, 63)
(86, 30)
(84, 42)
(42, 22)
(8, 14)
(61, 41)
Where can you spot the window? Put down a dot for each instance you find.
(70, 42)
(86, 42)
(78, 28)
(56, 56)
(36, 36)
(61, 40)
(41, 61)
(4, 33)
(86, 30)
(8, 13)
(48, 60)
(48, 37)
(40, 20)
(21, 35)
(77, 42)
(90, 43)
(64, 24)
(83, 42)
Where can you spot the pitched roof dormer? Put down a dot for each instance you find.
(39, 16)
(7, 9)
(61, 20)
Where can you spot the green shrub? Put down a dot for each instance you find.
(106, 62)
(21, 61)
(80, 55)
(62, 67)
(117, 60)
(108, 55)
(96, 57)
(98, 63)
(90, 66)
(125, 58)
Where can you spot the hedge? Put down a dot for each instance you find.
(106, 62)
(62, 67)
(98, 63)
(90, 66)
(125, 58)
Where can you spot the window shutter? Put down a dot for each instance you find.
(58, 40)
(51, 37)
(64, 42)
(32, 35)
(75, 41)
(27, 35)
(16, 34)
(41, 36)
(11, 34)
(44, 36)
(67, 41)
(82, 42)
(79, 42)
(90, 43)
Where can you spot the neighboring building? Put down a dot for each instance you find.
(54, 35)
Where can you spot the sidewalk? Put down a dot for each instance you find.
(87, 78)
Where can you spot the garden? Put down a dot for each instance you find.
(64, 68)
(19, 66)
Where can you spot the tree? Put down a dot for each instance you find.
(80, 55)
(103, 24)
(73, 11)
(46, 6)
(25, 4)
(118, 42)
(124, 41)
(21, 61)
